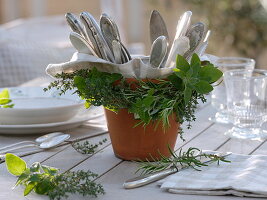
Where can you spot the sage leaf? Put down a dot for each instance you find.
(15, 165)
(210, 73)
(182, 64)
(29, 188)
(195, 61)
(4, 97)
(187, 94)
(43, 187)
(203, 87)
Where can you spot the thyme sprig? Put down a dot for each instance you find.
(87, 147)
(190, 158)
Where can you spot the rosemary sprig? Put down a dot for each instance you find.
(190, 158)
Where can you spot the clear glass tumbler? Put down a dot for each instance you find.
(218, 95)
(246, 101)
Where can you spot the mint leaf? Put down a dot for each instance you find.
(15, 165)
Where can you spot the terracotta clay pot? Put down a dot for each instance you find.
(139, 143)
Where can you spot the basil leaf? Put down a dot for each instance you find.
(15, 165)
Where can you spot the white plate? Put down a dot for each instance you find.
(80, 118)
(34, 106)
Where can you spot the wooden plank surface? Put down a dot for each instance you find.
(113, 171)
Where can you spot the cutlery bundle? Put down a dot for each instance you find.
(100, 46)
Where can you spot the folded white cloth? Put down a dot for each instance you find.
(245, 176)
(138, 67)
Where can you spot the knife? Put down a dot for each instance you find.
(150, 178)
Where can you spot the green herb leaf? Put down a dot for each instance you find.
(182, 64)
(203, 87)
(46, 180)
(43, 187)
(187, 94)
(15, 165)
(210, 73)
(29, 188)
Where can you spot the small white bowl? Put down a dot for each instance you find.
(39, 110)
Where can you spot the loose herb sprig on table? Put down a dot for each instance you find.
(86, 147)
(190, 158)
(5, 101)
(47, 180)
(178, 93)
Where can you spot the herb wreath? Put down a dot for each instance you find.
(153, 100)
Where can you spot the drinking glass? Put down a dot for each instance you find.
(246, 101)
(218, 95)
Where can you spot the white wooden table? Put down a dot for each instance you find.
(113, 171)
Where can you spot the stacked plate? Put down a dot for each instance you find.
(36, 111)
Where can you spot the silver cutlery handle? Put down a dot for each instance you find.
(150, 178)
(144, 180)
(17, 148)
(15, 144)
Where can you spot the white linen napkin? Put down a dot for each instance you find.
(245, 176)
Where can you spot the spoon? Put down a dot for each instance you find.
(110, 32)
(116, 47)
(75, 24)
(196, 35)
(158, 51)
(202, 47)
(36, 141)
(95, 36)
(47, 144)
(80, 44)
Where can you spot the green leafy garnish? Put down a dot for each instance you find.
(5, 99)
(86, 147)
(15, 165)
(190, 158)
(196, 77)
(47, 180)
(149, 100)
